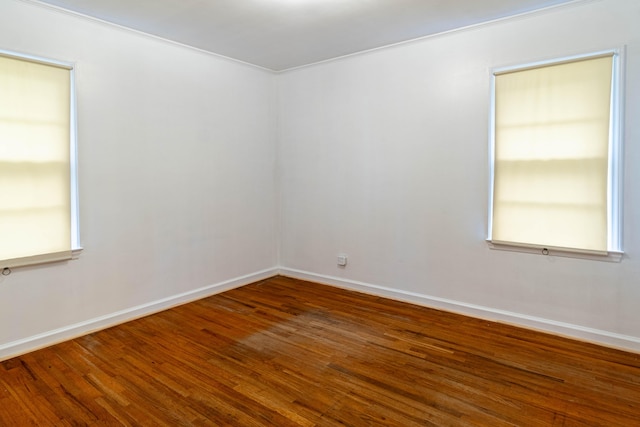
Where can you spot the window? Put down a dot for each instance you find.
(38, 203)
(555, 157)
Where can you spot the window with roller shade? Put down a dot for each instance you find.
(555, 156)
(38, 205)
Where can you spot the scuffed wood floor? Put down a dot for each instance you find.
(284, 352)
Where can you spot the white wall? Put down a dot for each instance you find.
(177, 178)
(383, 156)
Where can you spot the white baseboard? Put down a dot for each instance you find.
(66, 333)
(609, 339)
(596, 336)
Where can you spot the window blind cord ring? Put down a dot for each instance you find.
(6, 271)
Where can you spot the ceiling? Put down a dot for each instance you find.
(285, 34)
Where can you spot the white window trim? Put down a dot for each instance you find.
(76, 247)
(610, 256)
(614, 251)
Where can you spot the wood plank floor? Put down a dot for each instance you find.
(284, 352)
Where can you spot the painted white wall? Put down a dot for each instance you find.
(381, 155)
(384, 156)
(177, 178)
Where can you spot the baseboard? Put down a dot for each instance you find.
(66, 333)
(596, 336)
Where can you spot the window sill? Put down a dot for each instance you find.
(75, 253)
(609, 256)
(41, 259)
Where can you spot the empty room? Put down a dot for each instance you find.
(320, 212)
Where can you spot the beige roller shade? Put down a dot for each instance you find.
(35, 206)
(551, 155)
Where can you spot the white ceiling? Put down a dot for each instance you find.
(284, 34)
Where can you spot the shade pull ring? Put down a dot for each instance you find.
(6, 271)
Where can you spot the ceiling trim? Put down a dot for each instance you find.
(471, 27)
(75, 14)
(523, 15)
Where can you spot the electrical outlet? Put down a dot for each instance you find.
(342, 260)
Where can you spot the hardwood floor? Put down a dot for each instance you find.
(284, 352)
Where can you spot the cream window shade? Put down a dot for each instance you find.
(35, 181)
(551, 155)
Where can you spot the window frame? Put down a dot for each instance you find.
(614, 251)
(75, 245)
